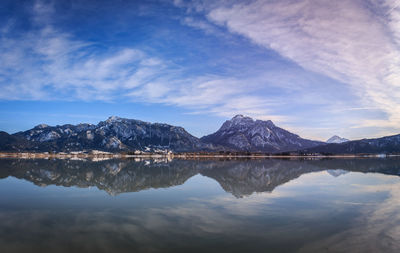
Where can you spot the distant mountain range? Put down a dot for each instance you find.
(240, 133)
(388, 144)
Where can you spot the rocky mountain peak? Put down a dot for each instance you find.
(337, 139)
(240, 118)
(267, 123)
(237, 121)
(113, 119)
(244, 133)
(41, 126)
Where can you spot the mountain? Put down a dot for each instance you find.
(245, 134)
(388, 144)
(113, 134)
(238, 134)
(13, 143)
(337, 139)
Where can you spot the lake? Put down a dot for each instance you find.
(272, 205)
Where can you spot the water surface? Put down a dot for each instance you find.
(336, 205)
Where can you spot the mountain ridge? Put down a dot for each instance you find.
(239, 134)
(247, 134)
(113, 134)
(386, 144)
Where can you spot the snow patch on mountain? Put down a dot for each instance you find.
(114, 133)
(246, 134)
(337, 139)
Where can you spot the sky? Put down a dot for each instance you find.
(314, 67)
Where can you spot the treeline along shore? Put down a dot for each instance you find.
(94, 154)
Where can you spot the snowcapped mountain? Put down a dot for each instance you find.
(337, 139)
(113, 134)
(246, 134)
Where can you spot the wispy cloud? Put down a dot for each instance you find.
(354, 42)
(47, 63)
(343, 40)
(50, 64)
(324, 60)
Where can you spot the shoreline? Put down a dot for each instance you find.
(106, 156)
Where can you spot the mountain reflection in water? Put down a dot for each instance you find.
(329, 205)
(239, 177)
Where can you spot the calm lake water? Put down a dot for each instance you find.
(337, 205)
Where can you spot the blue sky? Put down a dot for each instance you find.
(316, 68)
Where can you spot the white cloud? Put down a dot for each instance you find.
(343, 40)
(50, 64)
(152, 91)
(199, 24)
(222, 96)
(355, 42)
(377, 223)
